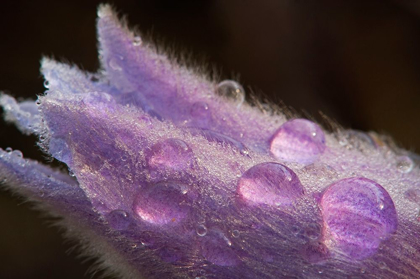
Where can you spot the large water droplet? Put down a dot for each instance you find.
(163, 203)
(298, 140)
(232, 90)
(358, 214)
(171, 154)
(270, 183)
(405, 164)
(118, 220)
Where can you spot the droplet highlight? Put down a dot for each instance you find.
(217, 250)
(298, 140)
(271, 184)
(231, 90)
(201, 230)
(358, 214)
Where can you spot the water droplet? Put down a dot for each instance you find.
(137, 41)
(413, 195)
(294, 141)
(358, 214)
(114, 63)
(171, 154)
(232, 90)
(201, 230)
(217, 251)
(162, 203)
(8, 149)
(71, 173)
(118, 220)
(17, 153)
(201, 113)
(235, 233)
(405, 164)
(270, 183)
(46, 84)
(124, 158)
(38, 102)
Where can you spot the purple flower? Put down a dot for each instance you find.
(173, 175)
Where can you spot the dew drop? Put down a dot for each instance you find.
(231, 90)
(46, 84)
(118, 220)
(17, 153)
(298, 140)
(217, 251)
(8, 149)
(172, 154)
(271, 184)
(162, 203)
(201, 112)
(358, 214)
(405, 164)
(115, 64)
(235, 233)
(137, 41)
(201, 230)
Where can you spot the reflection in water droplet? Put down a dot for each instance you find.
(270, 183)
(405, 164)
(118, 219)
(201, 230)
(358, 214)
(218, 251)
(162, 203)
(298, 140)
(232, 90)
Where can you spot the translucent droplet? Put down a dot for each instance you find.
(118, 220)
(231, 90)
(46, 84)
(413, 195)
(71, 173)
(171, 154)
(124, 158)
(162, 203)
(358, 214)
(298, 140)
(38, 102)
(114, 63)
(8, 149)
(405, 164)
(137, 41)
(201, 114)
(235, 233)
(17, 153)
(217, 251)
(270, 183)
(201, 230)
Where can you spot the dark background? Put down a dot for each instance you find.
(356, 61)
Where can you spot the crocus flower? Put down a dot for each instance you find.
(174, 175)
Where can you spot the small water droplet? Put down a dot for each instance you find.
(405, 164)
(201, 230)
(8, 149)
(118, 219)
(235, 233)
(298, 140)
(270, 183)
(38, 102)
(124, 158)
(71, 173)
(46, 84)
(137, 41)
(173, 154)
(114, 63)
(232, 90)
(17, 153)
